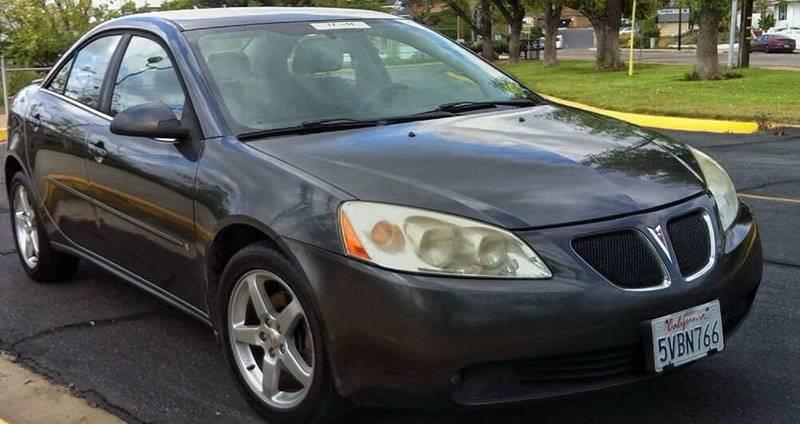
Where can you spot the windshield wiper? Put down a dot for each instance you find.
(315, 126)
(466, 106)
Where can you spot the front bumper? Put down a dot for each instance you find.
(410, 340)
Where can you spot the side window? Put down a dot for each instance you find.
(89, 69)
(60, 80)
(146, 75)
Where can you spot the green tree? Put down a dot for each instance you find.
(606, 19)
(513, 12)
(480, 21)
(552, 18)
(177, 4)
(706, 55)
(767, 19)
(36, 32)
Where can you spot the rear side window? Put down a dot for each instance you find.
(89, 69)
(60, 80)
(146, 75)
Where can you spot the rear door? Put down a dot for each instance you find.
(144, 188)
(60, 118)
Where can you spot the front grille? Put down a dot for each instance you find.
(625, 258)
(691, 242)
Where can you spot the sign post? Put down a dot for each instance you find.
(5, 86)
(633, 37)
(732, 35)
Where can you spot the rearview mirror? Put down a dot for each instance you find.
(154, 120)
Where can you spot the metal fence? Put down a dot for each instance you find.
(5, 73)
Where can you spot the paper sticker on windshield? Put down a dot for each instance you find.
(327, 26)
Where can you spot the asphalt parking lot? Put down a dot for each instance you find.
(147, 362)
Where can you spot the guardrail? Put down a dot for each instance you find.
(4, 71)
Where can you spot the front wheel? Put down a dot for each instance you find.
(41, 262)
(272, 338)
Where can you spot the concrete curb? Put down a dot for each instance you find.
(27, 397)
(667, 122)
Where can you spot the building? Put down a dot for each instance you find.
(787, 13)
(674, 20)
(571, 18)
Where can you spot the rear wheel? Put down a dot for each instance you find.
(40, 261)
(272, 339)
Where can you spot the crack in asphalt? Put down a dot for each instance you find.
(90, 395)
(782, 263)
(86, 324)
(767, 184)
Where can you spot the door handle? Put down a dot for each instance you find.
(36, 121)
(98, 151)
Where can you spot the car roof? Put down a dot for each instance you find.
(190, 19)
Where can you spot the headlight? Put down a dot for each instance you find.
(721, 187)
(415, 240)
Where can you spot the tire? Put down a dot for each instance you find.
(37, 256)
(259, 265)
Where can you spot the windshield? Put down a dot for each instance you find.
(285, 75)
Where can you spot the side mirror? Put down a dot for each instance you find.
(154, 120)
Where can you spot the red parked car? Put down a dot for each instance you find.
(769, 43)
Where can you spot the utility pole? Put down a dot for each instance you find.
(680, 23)
(746, 33)
(633, 37)
(732, 35)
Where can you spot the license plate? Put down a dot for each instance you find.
(686, 336)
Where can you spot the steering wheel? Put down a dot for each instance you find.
(384, 95)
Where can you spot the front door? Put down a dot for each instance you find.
(144, 188)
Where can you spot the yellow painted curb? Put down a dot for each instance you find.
(667, 122)
(3, 135)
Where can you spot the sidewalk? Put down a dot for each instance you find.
(28, 398)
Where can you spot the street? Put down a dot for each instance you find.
(687, 57)
(147, 362)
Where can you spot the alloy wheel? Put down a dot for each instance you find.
(25, 227)
(271, 341)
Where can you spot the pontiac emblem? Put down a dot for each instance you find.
(658, 235)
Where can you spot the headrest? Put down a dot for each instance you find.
(229, 65)
(316, 54)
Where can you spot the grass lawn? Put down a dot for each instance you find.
(661, 90)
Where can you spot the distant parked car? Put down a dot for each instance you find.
(769, 43)
(559, 42)
(788, 32)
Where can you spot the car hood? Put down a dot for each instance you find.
(519, 168)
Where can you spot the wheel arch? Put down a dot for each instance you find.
(232, 235)
(11, 167)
